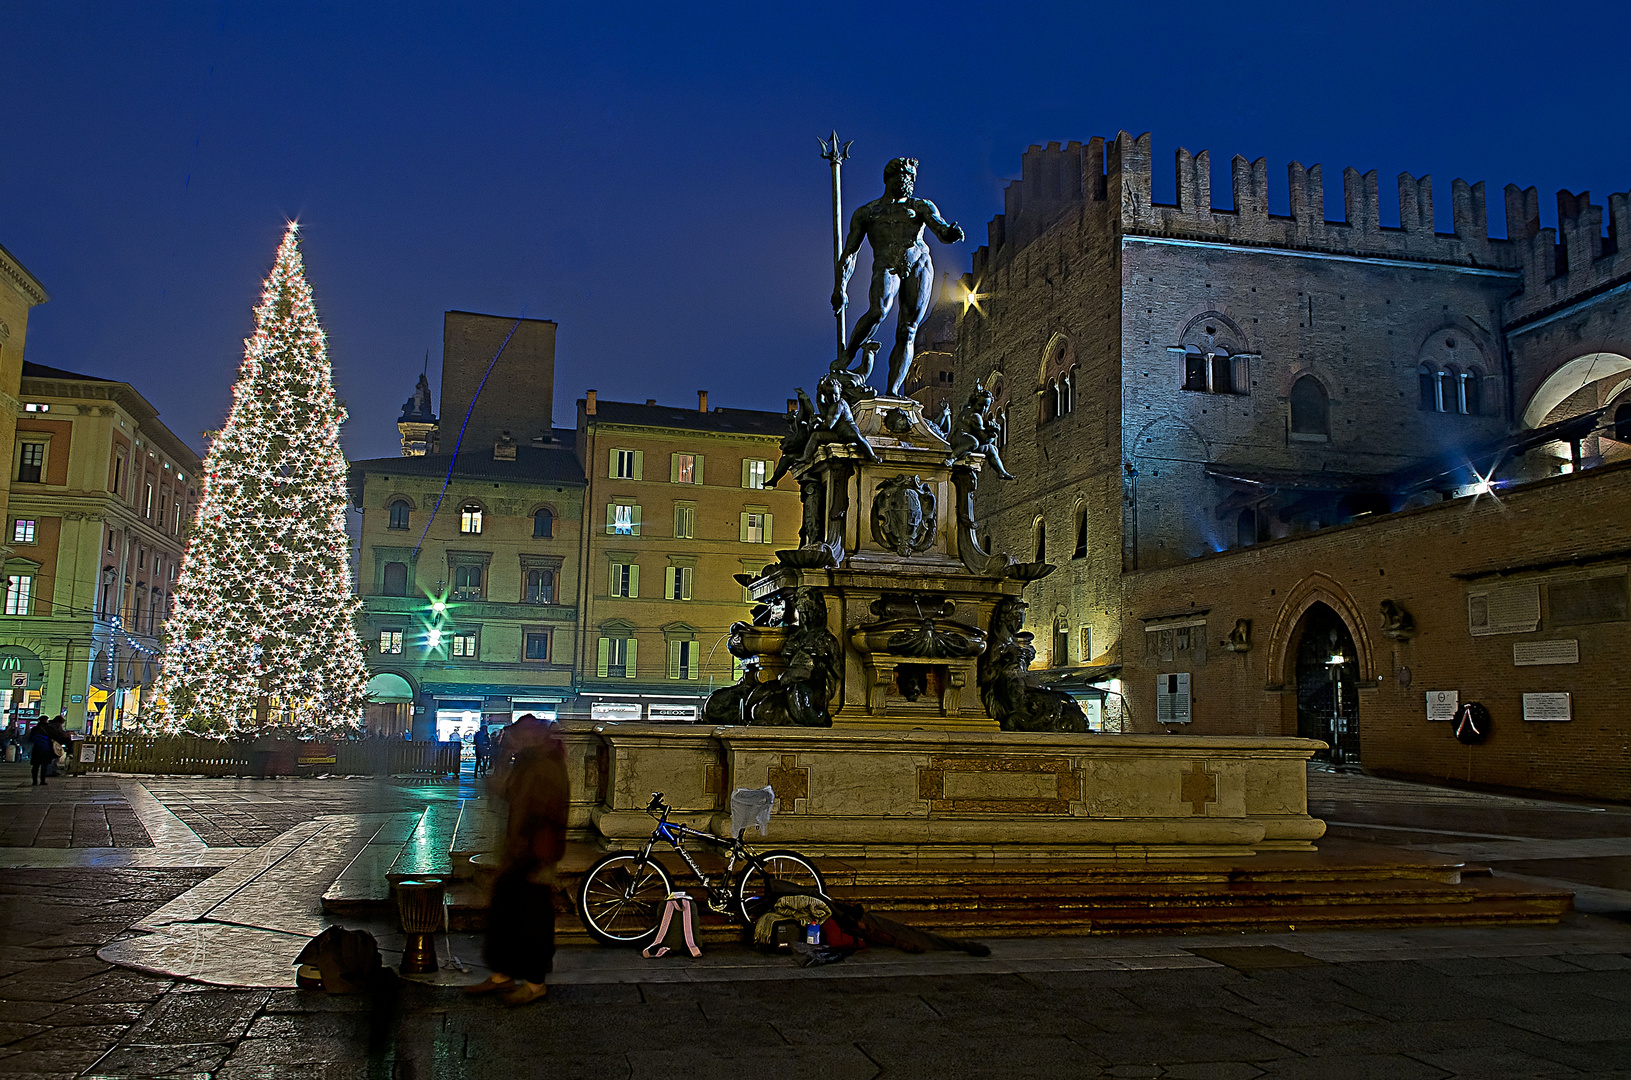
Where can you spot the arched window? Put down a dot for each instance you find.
(1040, 532)
(1057, 381)
(540, 586)
(1427, 386)
(1622, 423)
(1194, 368)
(467, 581)
(1246, 528)
(396, 579)
(1216, 358)
(1310, 408)
(1470, 399)
(1081, 532)
(1447, 380)
(543, 524)
(1223, 381)
(400, 510)
(470, 519)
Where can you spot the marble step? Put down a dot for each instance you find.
(362, 889)
(428, 850)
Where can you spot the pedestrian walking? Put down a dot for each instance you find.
(43, 739)
(483, 747)
(11, 739)
(532, 779)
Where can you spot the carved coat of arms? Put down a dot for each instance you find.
(903, 514)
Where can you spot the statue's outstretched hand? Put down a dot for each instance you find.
(955, 234)
(839, 300)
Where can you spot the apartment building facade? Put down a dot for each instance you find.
(101, 499)
(676, 507)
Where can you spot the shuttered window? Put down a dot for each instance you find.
(756, 527)
(677, 585)
(616, 657)
(625, 579)
(623, 519)
(685, 469)
(682, 660)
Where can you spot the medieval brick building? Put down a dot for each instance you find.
(1183, 383)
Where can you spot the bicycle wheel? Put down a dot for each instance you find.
(621, 899)
(773, 874)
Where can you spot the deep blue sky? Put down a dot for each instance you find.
(647, 175)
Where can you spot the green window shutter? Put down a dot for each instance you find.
(768, 519)
(611, 584)
(602, 663)
(669, 577)
(696, 665)
(611, 518)
(673, 659)
(634, 521)
(685, 582)
(673, 468)
(611, 464)
(747, 463)
(744, 536)
(634, 652)
(639, 464)
(697, 476)
(634, 579)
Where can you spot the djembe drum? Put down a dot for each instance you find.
(419, 906)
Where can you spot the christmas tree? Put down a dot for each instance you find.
(263, 632)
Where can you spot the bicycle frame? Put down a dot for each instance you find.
(675, 834)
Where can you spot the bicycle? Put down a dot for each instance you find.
(621, 898)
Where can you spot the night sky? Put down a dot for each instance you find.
(648, 175)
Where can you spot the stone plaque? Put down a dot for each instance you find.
(997, 784)
(1547, 707)
(1442, 704)
(1539, 653)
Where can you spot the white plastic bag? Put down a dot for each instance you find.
(752, 806)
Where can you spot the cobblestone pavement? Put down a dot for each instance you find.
(76, 812)
(1476, 1002)
(1252, 1010)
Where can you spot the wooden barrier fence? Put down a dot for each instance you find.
(186, 755)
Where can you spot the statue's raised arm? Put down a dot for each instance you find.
(901, 266)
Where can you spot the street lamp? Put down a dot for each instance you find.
(1339, 723)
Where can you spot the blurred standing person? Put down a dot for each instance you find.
(11, 739)
(483, 747)
(531, 777)
(42, 740)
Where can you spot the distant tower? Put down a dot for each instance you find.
(417, 423)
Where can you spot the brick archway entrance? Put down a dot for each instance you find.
(1326, 662)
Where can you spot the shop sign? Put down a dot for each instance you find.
(87, 753)
(1443, 704)
(671, 712)
(75, 699)
(614, 710)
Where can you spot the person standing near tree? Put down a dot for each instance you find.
(531, 777)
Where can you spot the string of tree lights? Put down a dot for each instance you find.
(263, 625)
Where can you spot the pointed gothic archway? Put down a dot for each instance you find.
(1312, 609)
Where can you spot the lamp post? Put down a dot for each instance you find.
(1339, 723)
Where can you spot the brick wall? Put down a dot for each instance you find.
(1427, 560)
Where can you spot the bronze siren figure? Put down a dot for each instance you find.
(901, 266)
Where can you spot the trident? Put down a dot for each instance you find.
(835, 153)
